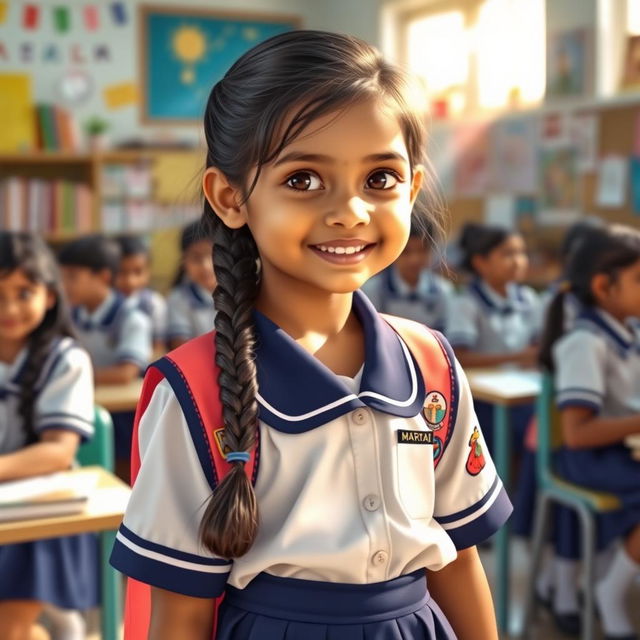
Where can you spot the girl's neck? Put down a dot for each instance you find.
(620, 317)
(501, 288)
(410, 279)
(9, 349)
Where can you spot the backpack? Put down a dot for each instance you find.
(192, 373)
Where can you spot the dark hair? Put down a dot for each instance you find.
(480, 240)
(132, 246)
(298, 76)
(191, 233)
(95, 252)
(607, 252)
(28, 253)
(577, 231)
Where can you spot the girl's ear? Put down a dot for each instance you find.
(223, 198)
(51, 299)
(600, 286)
(416, 182)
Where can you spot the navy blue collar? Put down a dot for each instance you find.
(103, 317)
(196, 295)
(622, 337)
(298, 393)
(494, 302)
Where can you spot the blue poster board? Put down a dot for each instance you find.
(185, 52)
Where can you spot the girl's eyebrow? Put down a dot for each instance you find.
(295, 156)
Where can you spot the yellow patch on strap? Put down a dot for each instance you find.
(222, 447)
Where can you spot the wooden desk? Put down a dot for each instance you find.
(503, 388)
(118, 397)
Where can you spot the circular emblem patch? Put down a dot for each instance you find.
(435, 409)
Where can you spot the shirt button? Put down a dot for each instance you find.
(359, 416)
(371, 502)
(379, 558)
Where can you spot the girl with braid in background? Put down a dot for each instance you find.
(336, 512)
(46, 410)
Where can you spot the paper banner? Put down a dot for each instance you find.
(30, 16)
(91, 17)
(120, 95)
(61, 19)
(3, 11)
(119, 13)
(613, 175)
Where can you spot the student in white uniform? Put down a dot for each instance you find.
(596, 367)
(190, 303)
(116, 334)
(316, 388)
(409, 289)
(46, 410)
(132, 282)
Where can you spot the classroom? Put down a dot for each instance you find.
(247, 392)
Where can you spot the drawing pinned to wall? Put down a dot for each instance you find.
(91, 17)
(191, 49)
(613, 174)
(513, 156)
(472, 154)
(30, 16)
(62, 19)
(584, 137)
(120, 95)
(568, 64)
(559, 201)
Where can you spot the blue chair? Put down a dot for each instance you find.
(100, 451)
(553, 489)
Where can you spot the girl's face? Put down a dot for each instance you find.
(133, 274)
(23, 305)
(620, 295)
(198, 264)
(508, 262)
(334, 208)
(413, 260)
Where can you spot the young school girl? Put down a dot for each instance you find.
(342, 509)
(46, 410)
(191, 311)
(408, 288)
(596, 366)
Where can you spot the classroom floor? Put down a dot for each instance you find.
(545, 629)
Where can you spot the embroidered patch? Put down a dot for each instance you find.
(435, 409)
(414, 437)
(222, 447)
(475, 461)
(437, 447)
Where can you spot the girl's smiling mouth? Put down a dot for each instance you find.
(343, 251)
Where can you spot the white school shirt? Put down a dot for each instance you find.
(155, 306)
(340, 499)
(191, 311)
(484, 321)
(597, 365)
(64, 397)
(428, 303)
(115, 333)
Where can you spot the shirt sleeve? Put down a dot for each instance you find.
(462, 325)
(134, 339)
(159, 317)
(66, 398)
(178, 316)
(471, 503)
(158, 541)
(579, 359)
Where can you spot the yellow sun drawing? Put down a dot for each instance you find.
(189, 45)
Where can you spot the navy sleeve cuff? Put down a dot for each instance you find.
(166, 568)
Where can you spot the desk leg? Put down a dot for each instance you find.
(111, 610)
(502, 437)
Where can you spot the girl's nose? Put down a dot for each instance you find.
(349, 213)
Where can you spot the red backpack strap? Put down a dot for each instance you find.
(192, 374)
(437, 363)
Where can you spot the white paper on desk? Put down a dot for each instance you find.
(613, 177)
(513, 382)
(38, 488)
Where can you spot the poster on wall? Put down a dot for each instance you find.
(568, 64)
(471, 143)
(513, 156)
(184, 52)
(559, 185)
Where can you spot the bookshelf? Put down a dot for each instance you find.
(63, 194)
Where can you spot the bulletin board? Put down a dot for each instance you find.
(183, 52)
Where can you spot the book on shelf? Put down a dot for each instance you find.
(56, 128)
(54, 494)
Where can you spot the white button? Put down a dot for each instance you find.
(371, 502)
(380, 558)
(359, 416)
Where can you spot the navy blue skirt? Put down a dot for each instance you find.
(61, 571)
(273, 608)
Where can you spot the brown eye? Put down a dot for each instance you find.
(382, 180)
(304, 181)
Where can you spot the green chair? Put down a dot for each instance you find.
(100, 451)
(553, 489)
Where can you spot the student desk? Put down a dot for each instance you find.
(118, 397)
(103, 515)
(503, 388)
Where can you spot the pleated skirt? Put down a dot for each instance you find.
(273, 608)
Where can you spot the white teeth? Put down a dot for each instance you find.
(341, 250)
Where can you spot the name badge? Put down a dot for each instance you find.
(414, 437)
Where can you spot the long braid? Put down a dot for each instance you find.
(230, 522)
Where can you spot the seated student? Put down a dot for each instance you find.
(408, 288)
(132, 281)
(116, 334)
(190, 303)
(596, 368)
(46, 411)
